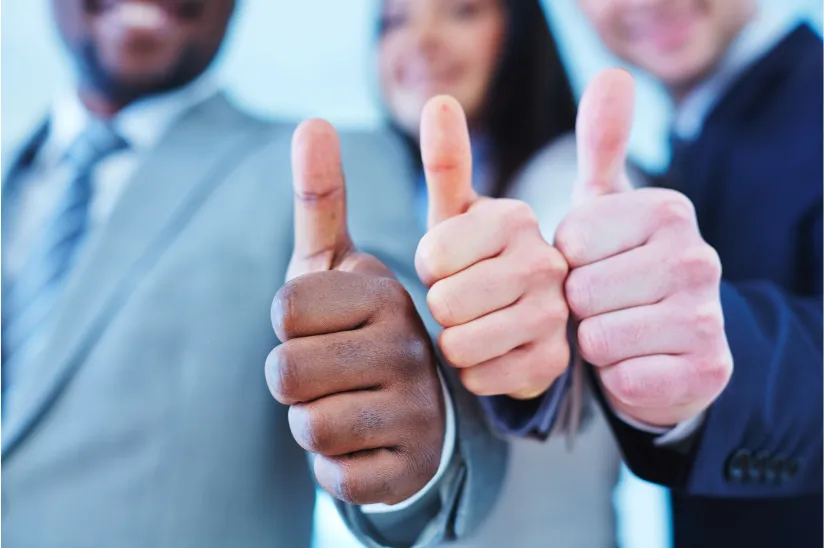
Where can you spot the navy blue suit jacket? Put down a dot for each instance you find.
(755, 177)
(753, 473)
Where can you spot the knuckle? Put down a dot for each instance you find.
(675, 209)
(517, 215)
(552, 314)
(578, 291)
(311, 427)
(430, 258)
(593, 342)
(537, 375)
(416, 356)
(708, 322)
(393, 292)
(283, 377)
(716, 373)
(699, 265)
(349, 487)
(546, 263)
(570, 240)
(622, 386)
(282, 311)
(452, 346)
(442, 304)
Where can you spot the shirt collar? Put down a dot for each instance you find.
(757, 38)
(142, 124)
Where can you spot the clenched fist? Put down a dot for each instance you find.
(496, 286)
(643, 284)
(356, 365)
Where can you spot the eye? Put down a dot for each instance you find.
(392, 20)
(466, 9)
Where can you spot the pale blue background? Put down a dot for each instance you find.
(299, 58)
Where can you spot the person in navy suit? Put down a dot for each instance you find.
(725, 410)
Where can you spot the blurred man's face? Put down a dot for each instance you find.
(431, 47)
(677, 41)
(126, 49)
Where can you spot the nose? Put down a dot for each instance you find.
(425, 36)
(641, 4)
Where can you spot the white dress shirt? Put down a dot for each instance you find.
(142, 124)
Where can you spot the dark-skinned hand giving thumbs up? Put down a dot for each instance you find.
(356, 365)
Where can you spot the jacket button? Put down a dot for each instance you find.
(775, 467)
(789, 470)
(758, 466)
(738, 466)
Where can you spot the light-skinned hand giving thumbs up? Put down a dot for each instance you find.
(496, 286)
(643, 284)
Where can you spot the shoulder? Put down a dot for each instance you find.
(550, 171)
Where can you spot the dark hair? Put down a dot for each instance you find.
(530, 101)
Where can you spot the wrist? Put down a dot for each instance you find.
(655, 420)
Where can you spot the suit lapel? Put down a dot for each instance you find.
(20, 159)
(190, 161)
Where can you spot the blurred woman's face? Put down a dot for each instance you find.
(433, 47)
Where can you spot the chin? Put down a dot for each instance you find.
(680, 71)
(127, 84)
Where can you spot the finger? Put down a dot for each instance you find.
(378, 476)
(309, 368)
(328, 302)
(447, 159)
(526, 372)
(663, 390)
(641, 276)
(652, 382)
(350, 422)
(321, 237)
(481, 233)
(663, 328)
(528, 265)
(477, 291)
(496, 334)
(602, 134)
(621, 222)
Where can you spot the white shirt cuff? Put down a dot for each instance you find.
(666, 436)
(446, 457)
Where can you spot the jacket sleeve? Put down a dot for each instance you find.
(763, 436)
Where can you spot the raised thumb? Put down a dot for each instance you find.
(447, 159)
(321, 236)
(602, 135)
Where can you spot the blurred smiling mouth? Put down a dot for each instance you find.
(430, 81)
(666, 32)
(146, 15)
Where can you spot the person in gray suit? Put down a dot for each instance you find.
(146, 227)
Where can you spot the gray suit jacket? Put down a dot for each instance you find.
(149, 423)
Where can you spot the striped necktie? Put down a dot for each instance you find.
(35, 290)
